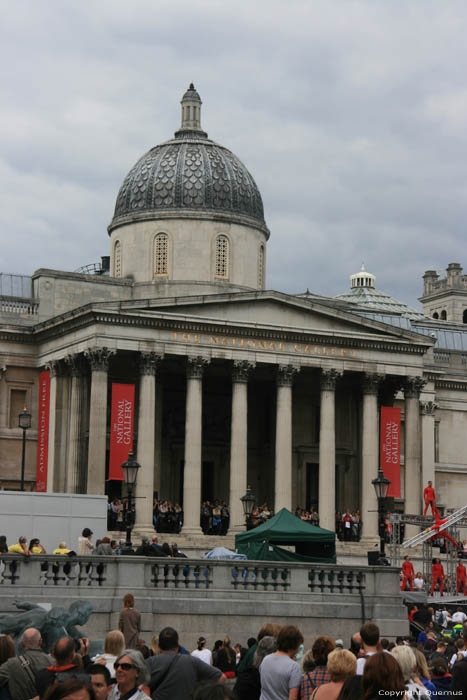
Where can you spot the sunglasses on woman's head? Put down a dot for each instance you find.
(124, 667)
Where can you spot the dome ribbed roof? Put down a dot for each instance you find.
(189, 173)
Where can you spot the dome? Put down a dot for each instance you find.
(189, 176)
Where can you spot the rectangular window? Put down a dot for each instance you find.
(17, 403)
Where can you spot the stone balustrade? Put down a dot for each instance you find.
(235, 596)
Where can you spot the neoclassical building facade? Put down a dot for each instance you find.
(235, 385)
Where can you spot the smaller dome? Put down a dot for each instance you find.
(191, 94)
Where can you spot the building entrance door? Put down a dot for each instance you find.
(207, 482)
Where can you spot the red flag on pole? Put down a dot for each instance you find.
(121, 427)
(390, 448)
(43, 431)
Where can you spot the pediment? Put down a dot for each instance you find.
(274, 310)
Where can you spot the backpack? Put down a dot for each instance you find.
(439, 617)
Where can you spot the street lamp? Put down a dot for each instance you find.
(248, 503)
(130, 471)
(381, 485)
(24, 422)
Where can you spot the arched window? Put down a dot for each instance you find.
(118, 259)
(464, 316)
(161, 255)
(222, 257)
(261, 267)
(436, 315)
(443, 315)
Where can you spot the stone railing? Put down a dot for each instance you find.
(195, 574)
(19, 306)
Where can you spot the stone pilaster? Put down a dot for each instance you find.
(370, 453)
(99, 359)
(148, 366)
(283, 462)
(193, 444)
(327, 449)
(413, 480)
(241, 371)
(54, 368)
(428, 411)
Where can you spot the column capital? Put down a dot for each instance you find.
(54, 367)
(371, 382)
(286, 374)
(74, 364)
(99, 358)
(149, 362)
(413, 387)
(328, 379)
(428, 408)
(241, 371)
(195, 366)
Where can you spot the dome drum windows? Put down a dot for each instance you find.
(161, 255)
(261, 267)
(118, 259)
(222, 262)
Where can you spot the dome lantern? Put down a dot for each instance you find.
(363, 279)
(191, 114)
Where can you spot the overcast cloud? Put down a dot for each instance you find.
(350, 114)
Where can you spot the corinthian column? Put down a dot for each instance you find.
(99, 359)
(283, 467)
(148, 366)
(327, 450)
(413, 483)
(54, 369)
(239, 442)
(75, 365)
(370, 453)
(193, 444)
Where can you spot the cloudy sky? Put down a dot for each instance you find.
(350, 114)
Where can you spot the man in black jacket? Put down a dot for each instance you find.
(64, 669)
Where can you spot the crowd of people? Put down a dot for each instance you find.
(85, 547)
(274, 665)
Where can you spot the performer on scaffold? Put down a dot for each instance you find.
(460, 576)
(409, 573)
(437, 576)
(429, 497)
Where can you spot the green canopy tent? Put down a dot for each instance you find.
(311, 543)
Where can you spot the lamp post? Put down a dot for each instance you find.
(248, 503)
(130, 471)
(381, 485)
(24, 422)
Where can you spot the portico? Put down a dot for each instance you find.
(220, 406)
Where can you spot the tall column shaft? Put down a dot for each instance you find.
(428, 409)
(283, 462)
(327, 451)
(73, 457)
(239, 443)
(193, 445)
(99, 360)
(53, 368)
(413, 482)
(370, 454)
(146, 437)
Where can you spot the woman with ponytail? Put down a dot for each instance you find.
(226, 659)
(201, 652)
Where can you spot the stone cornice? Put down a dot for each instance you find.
(184, 214)
(179, 323)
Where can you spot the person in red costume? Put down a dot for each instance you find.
(437, 576)
(409, 573)
(461, 576)
(429, 497)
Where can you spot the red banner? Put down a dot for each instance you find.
(121, 427)
(390, 448)
(43, 431)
